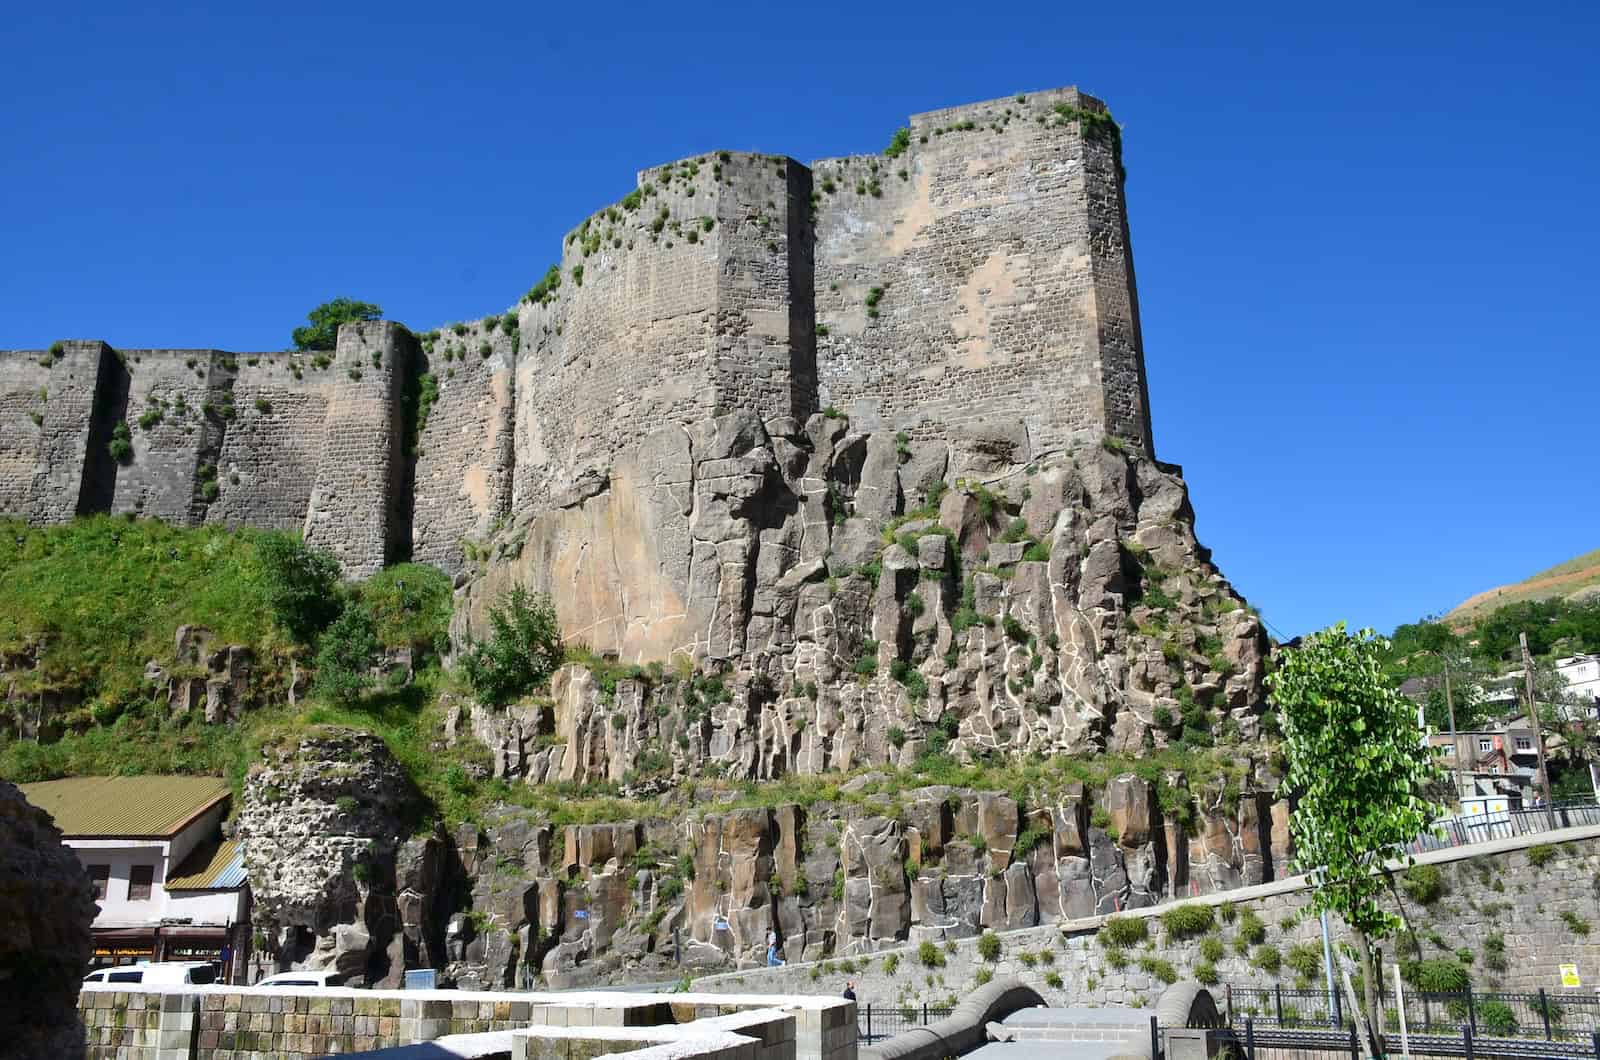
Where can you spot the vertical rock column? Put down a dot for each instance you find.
(355, 505)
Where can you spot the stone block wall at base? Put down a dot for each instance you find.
(1539, 903)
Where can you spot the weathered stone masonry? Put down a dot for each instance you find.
(993, 252)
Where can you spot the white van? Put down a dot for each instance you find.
(324, 978)
(161, 973)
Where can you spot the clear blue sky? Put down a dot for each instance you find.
(1366, 235)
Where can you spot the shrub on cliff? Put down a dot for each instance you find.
(346, 652)
(301, 584)
(410, 606)
(523, 649)
(322, 333)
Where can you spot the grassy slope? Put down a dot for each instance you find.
(107, 594)
(1564, 579)
(100, 597)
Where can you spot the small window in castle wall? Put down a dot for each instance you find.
(139, 878)
(100, 876)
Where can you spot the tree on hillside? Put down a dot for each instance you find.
(1359, 770)
(323, 331)
(523, 649)
(301, 584)
(1454, 679)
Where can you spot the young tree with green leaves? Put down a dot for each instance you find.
(322, 333)
(1359, 770)
(523, 649)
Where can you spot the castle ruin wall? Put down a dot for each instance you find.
(997, 243)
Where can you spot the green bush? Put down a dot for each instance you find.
(1206, 973)
(1211, 949)
(1120, 931)
(1251, 929)
(121, 445)
(1496, 1017)
(301, 584)
(410, 605)
(989, 946)
(891, 964)
(983, 976)
(346, 652)
(523, 649)
(898, 143)
(1267, 958)
(1436, 974)
(1494, 951)
(1423, 884)
(1575, 923)
(930, 955)
(1539, 854)
(346, 804)
(1187, 921)
(1052, 980)
(1161, 969)
(1305, 959)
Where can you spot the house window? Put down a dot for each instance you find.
(1524, 743)
(99, 875)
(139, 878)
(1485, 746)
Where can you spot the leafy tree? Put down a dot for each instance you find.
(346, 652)
(1360, 770)
(523, 649)
(323, 331)
(301, 584)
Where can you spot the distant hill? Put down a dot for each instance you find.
(1575, 578)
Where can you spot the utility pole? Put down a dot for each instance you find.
(1538, 732)
(1455, 743)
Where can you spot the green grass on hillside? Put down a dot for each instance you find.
(97, 598)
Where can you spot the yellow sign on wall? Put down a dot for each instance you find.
(1569, 975)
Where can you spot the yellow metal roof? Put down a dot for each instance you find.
(153, 807)
(208, 866)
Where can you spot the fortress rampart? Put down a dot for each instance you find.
(982, 274)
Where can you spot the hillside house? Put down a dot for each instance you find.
(171, 887)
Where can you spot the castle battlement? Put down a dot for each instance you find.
(980, 276)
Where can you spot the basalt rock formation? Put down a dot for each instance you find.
(852, 601)
(47, 904)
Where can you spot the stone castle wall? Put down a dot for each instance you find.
(996, 243)
(464, 460)
(997, 249)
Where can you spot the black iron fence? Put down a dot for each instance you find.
(1550, 1015)
(1482, 827)
(877, 1022)
(1247, 1041)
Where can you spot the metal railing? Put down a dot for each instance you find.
(1548, 1015)
(877, 1022)
(1250, 1042)
(1483, 827)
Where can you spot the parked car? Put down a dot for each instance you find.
(159, 973)
(325, 978)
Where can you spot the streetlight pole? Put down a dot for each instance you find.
(1538, 732)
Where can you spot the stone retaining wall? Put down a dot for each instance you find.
(1541, 901)
(248, 1023)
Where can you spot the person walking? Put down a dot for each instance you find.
(772, 950)
(850, 990)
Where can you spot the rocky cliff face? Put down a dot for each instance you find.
(335, 882)
(654, 898)
(47, 904)
(817, 600)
